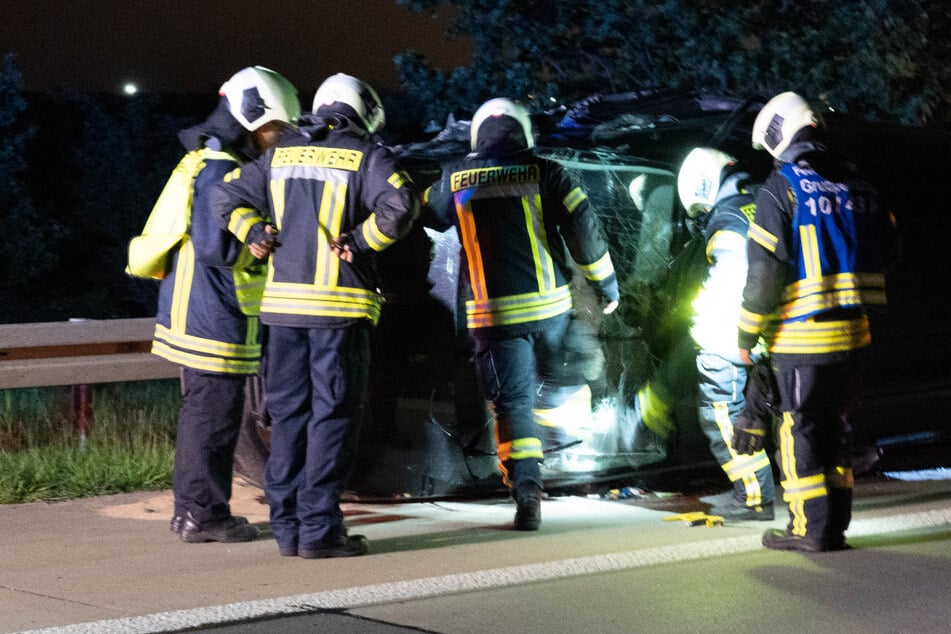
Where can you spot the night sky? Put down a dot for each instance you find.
(192, 46)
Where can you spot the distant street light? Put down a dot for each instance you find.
(130, 89)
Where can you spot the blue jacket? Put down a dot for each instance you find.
(208, 302)
(330, 181)
(519, 217)
(815, 257)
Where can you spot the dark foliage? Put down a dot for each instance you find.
(883, 59)
(82, 172)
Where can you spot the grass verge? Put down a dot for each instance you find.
(129, 447)
(59, 473)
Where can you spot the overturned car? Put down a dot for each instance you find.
(427, 432)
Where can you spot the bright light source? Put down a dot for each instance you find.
(130, 89)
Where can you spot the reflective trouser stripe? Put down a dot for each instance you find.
(654, 412)
(520, 449)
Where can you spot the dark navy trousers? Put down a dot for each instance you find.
(815, 444)
(315, 381)
(208, 426)
(508, 368)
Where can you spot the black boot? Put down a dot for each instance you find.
(528, 505)
(229, 530)
(840, 516)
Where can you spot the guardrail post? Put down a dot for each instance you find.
(80, 412)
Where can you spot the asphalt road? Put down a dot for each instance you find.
(597, 565)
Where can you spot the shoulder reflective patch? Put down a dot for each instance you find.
(575, 198)
(762, 237)
(233, 175)
(336, 158)
(501, 175)
(398, 179)
(749, 210)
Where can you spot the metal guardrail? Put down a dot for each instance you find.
(79, 352)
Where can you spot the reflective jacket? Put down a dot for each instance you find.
(209, 300)
(716, 309)
(519, 216)
(815, 257)
(330, 180)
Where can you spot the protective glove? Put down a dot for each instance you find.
(762, 403)
(340, 246)
(749, 434)
(609, 296)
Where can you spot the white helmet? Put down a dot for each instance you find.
(342, 88)
(257, 95)
(700, 177)
(502, 107)
(778, 122)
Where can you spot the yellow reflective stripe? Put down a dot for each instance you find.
(249, 287)
(576, 408)
(210, 346)
(200, 362)
(324, 256)
(520, 449)
(751, 322)
(762, 237)
(819, 302)
(232, 175)
(726, 240)
(181, 293)
(241, 221)
(470, 243)
(516, 309)
(574, 198)
(872, 288)
(297, 299)
(218, 155)
(745, 465)
(809, 244)
(821, 284)
(796, 492)
(600, 269)
(787, 457)
(875, 297)
(740, 466)
(330, 219)
(655, 413)
(277, 200)
(807, 488)
(398, 179)
(424, 198)
(871, 280)
(375, 239)
(721, 415)
(811, 337)
(538, 239)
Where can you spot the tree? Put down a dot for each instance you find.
(109, 157)
(27, 235)
(883, 59)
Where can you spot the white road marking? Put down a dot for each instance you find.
(429, 587)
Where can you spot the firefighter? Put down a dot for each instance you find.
(518, 218)
(321, 204)
(815, 264)
(707, 281)
(719, 196)
(209, 300)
